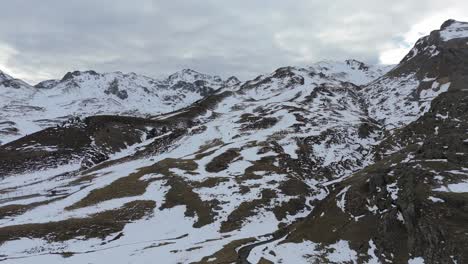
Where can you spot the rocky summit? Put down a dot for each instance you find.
(337, 162)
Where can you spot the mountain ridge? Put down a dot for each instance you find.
(85, 93)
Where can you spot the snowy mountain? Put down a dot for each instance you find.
(29, 109)
(14, 89)
(338, 162)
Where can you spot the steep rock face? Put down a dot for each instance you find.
(410, 204)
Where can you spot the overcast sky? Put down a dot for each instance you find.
(44, 39)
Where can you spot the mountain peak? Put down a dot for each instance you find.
(11, 82)
(189, 71)
(359, 64)
(71, 75)
(233, 80)
(452, 29)
(185, 72)
(447, 23)
(189, 75)
(4, 76)
(451, 23)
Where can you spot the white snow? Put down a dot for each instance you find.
(400, 217)
(461, 187)
(342, 252)
(371, 252)
(418, 260)
(393, 190)
(435, 199)
(391, 100)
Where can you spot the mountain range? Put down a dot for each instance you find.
(337, 162)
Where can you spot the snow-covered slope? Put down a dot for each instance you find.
(14, 100)
(28, 109)
(302, 165)
(266, 146)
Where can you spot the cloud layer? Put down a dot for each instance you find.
(45, 39)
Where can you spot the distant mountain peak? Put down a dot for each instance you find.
(189, 71)
(361, 65)
(71, 75)
(11, 82)
(189, 75)
(3, 76)
(233, 80)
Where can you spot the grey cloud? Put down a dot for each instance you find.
(243, 38)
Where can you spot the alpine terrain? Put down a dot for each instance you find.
(337, 162)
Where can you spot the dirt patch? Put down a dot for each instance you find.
(164, 166)
(265, 164)
(263, 123)
(291, 207)
(293, 187)
(182, 193)
(221, 162)
(210, 182)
